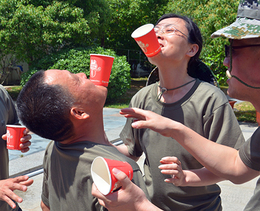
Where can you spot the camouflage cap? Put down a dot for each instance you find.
(247, 24)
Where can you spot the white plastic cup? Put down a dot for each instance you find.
(104, 179)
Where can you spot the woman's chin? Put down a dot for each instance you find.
(154, 60)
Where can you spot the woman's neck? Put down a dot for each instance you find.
(173, 85)
(173, 77)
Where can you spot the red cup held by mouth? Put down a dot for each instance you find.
(14, 134)
(146, 39)
(104, 179)
(100, 69)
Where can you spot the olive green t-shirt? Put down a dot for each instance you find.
(8, 115)
(250, 155)
(67, 179)
(206, 110)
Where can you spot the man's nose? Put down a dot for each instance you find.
(226, 62)
(82, 75)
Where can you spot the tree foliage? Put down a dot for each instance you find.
(127, 15)
(30, 32)
(31, 29)
(96, 12)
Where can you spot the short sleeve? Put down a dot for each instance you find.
(250, 151)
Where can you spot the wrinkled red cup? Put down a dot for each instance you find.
(14, 134)
(146, 39)
(100, 69)
(104, 179)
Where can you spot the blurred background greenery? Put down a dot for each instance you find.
(61, 34)
(30, 30)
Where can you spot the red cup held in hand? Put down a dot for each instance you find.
(146, 39)
(100, 69)
(104, 179)
(14, 134)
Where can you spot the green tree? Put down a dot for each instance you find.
(30, 29)
(29, 32)
(128, 15)
(96, 12)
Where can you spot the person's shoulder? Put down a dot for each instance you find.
(211, 89)
(147, 88)
(49, 147)
(209, 85)
(48, 153)
(112, 152)
(6, 100)
(143, 92)
(2, 87)
(143, 96)
(3, 91)
(210, 95)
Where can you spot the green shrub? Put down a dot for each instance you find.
(78, 60)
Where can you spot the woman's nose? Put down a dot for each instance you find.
(159, 35)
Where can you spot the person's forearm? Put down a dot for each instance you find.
(201, 177)
(219, 159)
(145, 205)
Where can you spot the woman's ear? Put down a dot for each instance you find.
(78, 113)
(193, 50)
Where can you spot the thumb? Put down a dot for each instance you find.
(4, 137)
(121, 177)
(138, 124)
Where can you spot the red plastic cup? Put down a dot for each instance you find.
(146, 39)
(104, 179)
(100, 69)
(14, 134)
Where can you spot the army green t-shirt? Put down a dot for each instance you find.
(206, 110)
(250, 155)
(67, 179)
(8, 115)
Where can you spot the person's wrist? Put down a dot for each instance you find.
(186, 179)
(145, 204)
(176, 129)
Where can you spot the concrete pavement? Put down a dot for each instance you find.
(234, 197)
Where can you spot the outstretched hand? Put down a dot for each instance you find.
(151, 120)
(7, 187)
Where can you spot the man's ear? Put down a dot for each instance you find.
(193, 50)
(78, 113)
